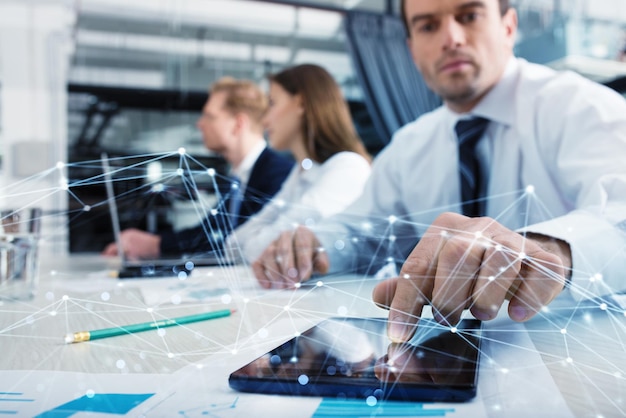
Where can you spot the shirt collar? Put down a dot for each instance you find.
(245, 168)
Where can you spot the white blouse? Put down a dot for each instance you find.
(311, 192)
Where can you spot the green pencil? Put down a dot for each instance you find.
(81, 336)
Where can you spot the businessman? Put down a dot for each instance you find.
(514, 189)
(231, 126)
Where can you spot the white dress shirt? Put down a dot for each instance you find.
(243, 170)
(556, 163)
(311, 192)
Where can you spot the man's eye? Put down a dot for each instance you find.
(468, 17)
(426, 28)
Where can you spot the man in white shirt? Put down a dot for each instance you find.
(553, 172)
(231, 125)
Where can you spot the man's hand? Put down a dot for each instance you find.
(137, 245)
(473, 263)
(292, 258)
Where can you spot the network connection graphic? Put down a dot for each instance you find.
(565, 360)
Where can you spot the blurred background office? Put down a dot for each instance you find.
(81, 77)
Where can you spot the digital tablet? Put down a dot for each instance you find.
(353, 358)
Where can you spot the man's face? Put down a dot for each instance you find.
(461, 47)
(216, 124)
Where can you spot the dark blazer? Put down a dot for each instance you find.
(266, 178)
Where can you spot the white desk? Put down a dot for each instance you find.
(585, 352)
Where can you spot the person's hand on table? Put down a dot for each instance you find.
(473, 263)
(291, 259)
(137, 245)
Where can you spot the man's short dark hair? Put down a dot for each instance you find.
(505, 5)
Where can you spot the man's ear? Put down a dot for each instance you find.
(509, 22)
(242, 122)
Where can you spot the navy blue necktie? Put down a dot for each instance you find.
(468, 133)
(234, 203)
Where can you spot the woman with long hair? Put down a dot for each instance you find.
(309, 117)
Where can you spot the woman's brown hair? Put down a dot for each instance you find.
(327, 126)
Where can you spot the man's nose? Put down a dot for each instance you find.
(453, 34)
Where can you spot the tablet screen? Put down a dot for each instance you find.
(353, 358)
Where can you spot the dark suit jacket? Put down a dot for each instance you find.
(266, 178)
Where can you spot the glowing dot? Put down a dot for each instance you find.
(303, 379)
(319, 283)
(170, 355)
(233, 351)
(603, 306)
(498, 247)
(297, 285)
(297, 333)
(504, 371)
(105, 296)
(176, 299)
(598, 277)
(286, 308)
(371, 401)
(53, 273)
(64, 186)
(342, 310)
(226, 299)
(564, 331)
(161, 332)
(366, 226)
(199, 366)
(182, 275)
(453, 330)
(182, 151)
(521, 256)
(307, 164)
(478, 234)
(262, 333)
(392, 219)
(86, 208)
(213, 212)
(246, 300)
(150, 310)
(339, 245)
(280, 203)
(392, 238)
(444, 234)
(120, 364)
(90, 393)
(180, 171)
(502, 269)
(569, 360)
(491, 278)
(60, 165)
(211, 172)
(53, 313)
(545, 309)
(406, 276)
(65, 297)
(530, 189)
